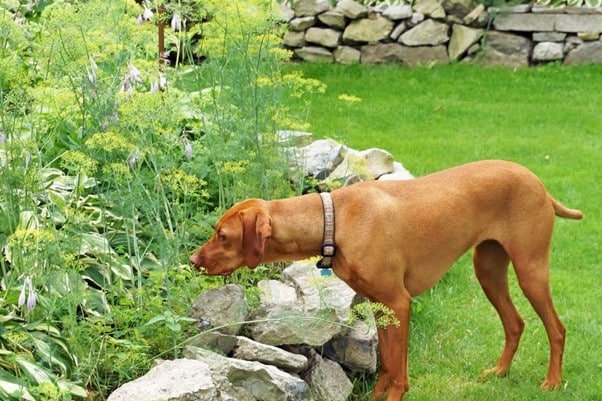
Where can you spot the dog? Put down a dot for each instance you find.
(396, 239)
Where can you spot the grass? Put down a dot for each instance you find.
(549, 119)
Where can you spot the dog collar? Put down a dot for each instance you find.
(328, 249)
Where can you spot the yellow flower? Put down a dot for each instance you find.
(349, 98)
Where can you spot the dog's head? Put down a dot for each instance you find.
(239, 239)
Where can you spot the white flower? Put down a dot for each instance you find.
(187, 149)
(22, 298)
(133, 158)
(92, 71)
(31, 294)
(133, 73)
(140, 19)
(126, 86)
(176, 22)
(147, 14)
(31, 297)
(2, 138)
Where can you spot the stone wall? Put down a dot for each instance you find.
(440, 31)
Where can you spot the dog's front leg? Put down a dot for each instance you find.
(393, 342)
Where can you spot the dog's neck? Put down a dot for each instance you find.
(292, 237)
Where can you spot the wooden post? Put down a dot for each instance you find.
(161, 19)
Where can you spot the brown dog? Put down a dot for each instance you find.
(395, 239)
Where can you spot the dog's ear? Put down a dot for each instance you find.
(257, 228)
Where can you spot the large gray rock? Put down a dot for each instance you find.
(587, 53)
(399, 173)
(356, 350)
(352, 9)
(314, 54)
(368, 30)
(239, 380)
(398, 30)
(423, 55)
(274, 292)
(302, 23)
(459, 8)
(181, 379)
(250, 350)
(508, 43)
(578, 23)
(397, 12)
(461, 40)
(524, 22)
(474, 15)
(548, 51)
(492, 58)
(429, 33)
(364, 165)
(327, 380)
(294, 39)
(323, 154)
(323, 36)
(381, 53)
(224, 308)
(347, 55)
(430, 8)
(548, 36)
(312, 8)
(333, 19)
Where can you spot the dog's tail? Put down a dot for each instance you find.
(563, 211)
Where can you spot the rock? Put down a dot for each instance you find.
(323, 36)
(397, 12)
(294, 138)
(301, 24)
(430, 8)
(524, 22)
(381, 53)
(333, 19)
(423, 55)
(474, 14)
(250, 350)
(347, 55)
(461, 40)
(317, 156)
(548, 36)
(399, 173)
(491, 57)
(284, 12)
(319, 292)
(356, 350)
(294, 39)
(459, 8)
(398, 30)
(239, 380)
(428, 32)
(512, 45)
(327, 380)
(578, 23)
(293, 324)
(180, 379)
(214, 341)
(304, 8)
(352, 9)
(589, 36)
(224, 306)
(587, 53)
(274, 292)
(314, 54)
(368, 30)
(366, 165)
(516, 9)
(416, 19)
(548, 51)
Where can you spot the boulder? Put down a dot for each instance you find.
(397, 12)
(423, 55)
(399, 173)
(294, 39)
(461, 40)
(180, 379)
(459, 8)
(506, 43)
(430, 8)
(398, 30)
(352, 9)
(250, 350)
(314, 54)
(312, 8)
(325, 37)
(274, 292)
(224, 308)
(284, 12)
(327, 380)
(365, 165)
(241, 380)
(548, 36)
(294, 138)
(474, 14)
(357, 349)
(524, 22)
(578, 23)
(416, 19)
(323, 154)
(333, 19)
(381, 53)
(301, 24)
(491, 57)
(368, 30)
(587, 53)
(347, 55)
(429, 32)
(548, 51)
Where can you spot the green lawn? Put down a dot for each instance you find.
(549, 119)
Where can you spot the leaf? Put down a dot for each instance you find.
(94, 243)
(37, 373)
(57, 200)
(13, 387)
(72, 388)
(156, 319)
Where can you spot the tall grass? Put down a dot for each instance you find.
(548, 119)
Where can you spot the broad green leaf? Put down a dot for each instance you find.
(94, 244)
(13, 386)
(37, 373)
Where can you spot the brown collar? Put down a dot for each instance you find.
(328, 249)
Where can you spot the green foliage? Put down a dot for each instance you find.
(383, 315)
(114, 169)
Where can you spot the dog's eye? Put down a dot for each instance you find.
(221, 237)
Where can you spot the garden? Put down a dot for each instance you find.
(115, 165)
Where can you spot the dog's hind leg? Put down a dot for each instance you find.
(491, 266)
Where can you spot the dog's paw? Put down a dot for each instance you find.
(551, 384)
(496, 371)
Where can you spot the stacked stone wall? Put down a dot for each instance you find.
(433, 32)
